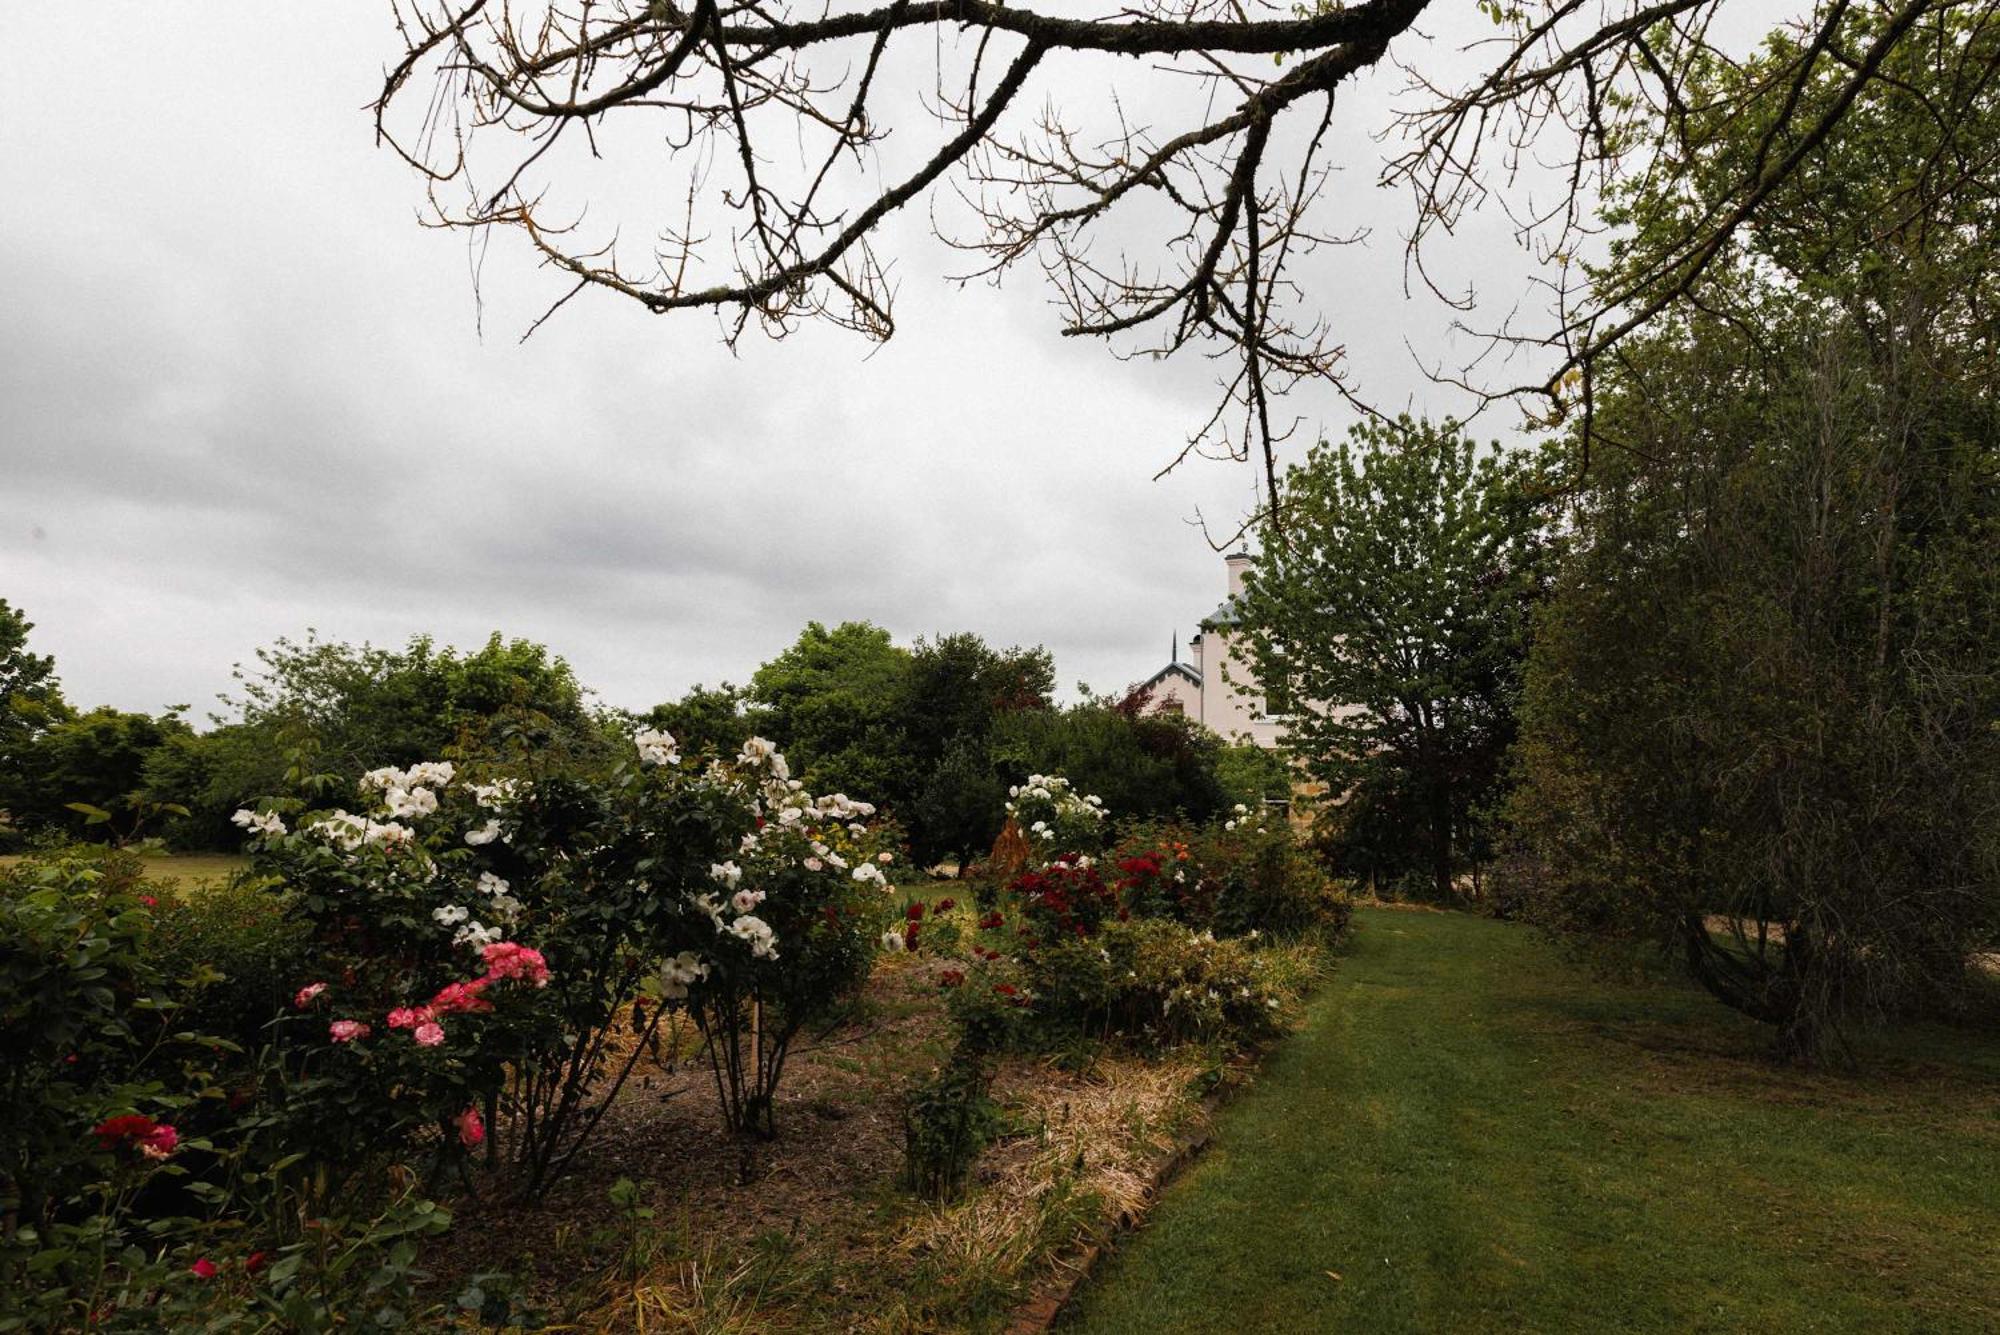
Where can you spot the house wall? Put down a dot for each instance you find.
(1233, 705)
(1231, 702)
(1175, 689)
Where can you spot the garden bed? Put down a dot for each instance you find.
(812, 1230)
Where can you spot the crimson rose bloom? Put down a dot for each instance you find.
(135, 1131)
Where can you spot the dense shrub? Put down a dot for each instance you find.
(1264, 881)
(135, 1164)
(1159, 766)
(234, 956)
(1066, 899)
(1055, 817)
(1246, 874)
(1181, 934)
(80, 1009)
(1156, 980)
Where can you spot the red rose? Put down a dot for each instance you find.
(945, 906)
(134, 1131)
(915, 911)
(203, 1269)
(951, 978)
(256, 1261)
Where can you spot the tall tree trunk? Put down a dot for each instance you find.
(1441, 842)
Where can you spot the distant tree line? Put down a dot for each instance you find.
(935, 732)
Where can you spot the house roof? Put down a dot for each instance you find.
(1171, 669)
(1225, 615)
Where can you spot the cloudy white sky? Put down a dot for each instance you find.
(243, 393)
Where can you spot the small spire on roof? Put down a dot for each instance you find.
(1175, 656)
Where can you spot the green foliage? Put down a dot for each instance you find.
(705, 719)
(961, 807)
(328, 711)
(957, 685)
(1242, 876)
(80, 1008)
(956, 690)
(353, 1266)
(1158, 981)
(233, 956)
(31, 701)
(1390, 605)
(113, 1230)
(204, 775)
(1143, 765)
(85, 775)
(947, 1121)
(1253, 775)
(910, 729)
(833, 703)
(1087, 951)
(1758, 723)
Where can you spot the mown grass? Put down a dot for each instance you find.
(1471, 1133)
(183, 870)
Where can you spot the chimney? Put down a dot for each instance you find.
(1237, 563)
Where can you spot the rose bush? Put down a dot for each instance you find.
(1054, 817)
(480, 935)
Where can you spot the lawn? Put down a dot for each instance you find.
(183, 869)
(1472, 1134)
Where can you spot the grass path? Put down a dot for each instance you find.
(1473, 1135)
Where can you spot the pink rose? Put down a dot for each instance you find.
(159, 1142)
(461, 997)
(307, 993)
(428, 1034)
(409, 1017)
(471, 1127)
(346, 1031)
(508, 959)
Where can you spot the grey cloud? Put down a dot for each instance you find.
(242, 393)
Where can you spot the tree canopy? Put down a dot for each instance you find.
(30, 701)
(1758, 719)
(1385, 621)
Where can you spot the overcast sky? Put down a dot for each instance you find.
(243, 393)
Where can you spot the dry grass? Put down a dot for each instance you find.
(1086, 1165)
(853, 1251)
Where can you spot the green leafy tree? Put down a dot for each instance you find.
(1144, 766)
(89, 774)
(209, 776)
(834, 702)
(1253, 774)
(957, 689)
(1387, 615)
(30, 701)
(958, 685)
(705, 719)
(1758, 725)
(962, 806)
(332, 709)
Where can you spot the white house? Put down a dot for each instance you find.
(1229, 703)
